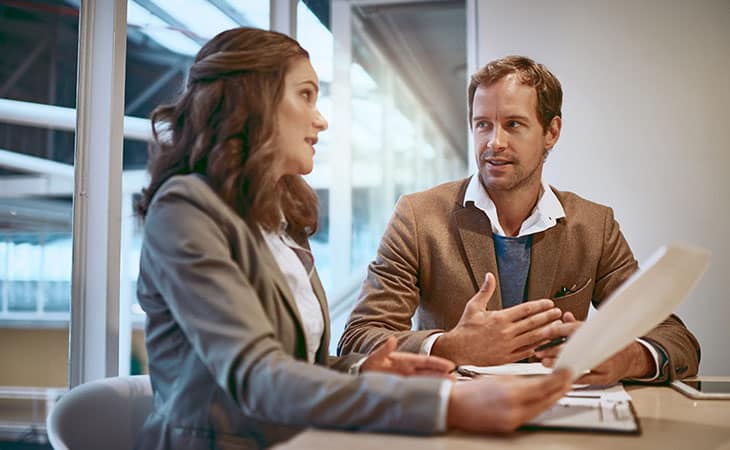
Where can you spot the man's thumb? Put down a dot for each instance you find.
(486, 290)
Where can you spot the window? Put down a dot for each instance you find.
(397, 123)
(39, 42)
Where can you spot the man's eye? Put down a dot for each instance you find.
(307, 95)
(513, 124)
(482, 124)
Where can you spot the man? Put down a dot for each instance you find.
(553, 248)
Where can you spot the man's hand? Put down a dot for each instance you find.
(633, 361)
(502, 403)
(497, 337)
(385, 359)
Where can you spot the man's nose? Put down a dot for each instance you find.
(498, 140)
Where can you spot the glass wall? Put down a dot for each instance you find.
(39, 44)
(163, 37)
(396, 107)
(392, 86)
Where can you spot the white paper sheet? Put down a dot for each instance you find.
(595, 408)
(637, 306)
(510, 369)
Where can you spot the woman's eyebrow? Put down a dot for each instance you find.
(314, 85)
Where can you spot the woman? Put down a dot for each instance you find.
(237, 326)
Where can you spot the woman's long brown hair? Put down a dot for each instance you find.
(223, 127)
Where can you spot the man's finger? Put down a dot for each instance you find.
(535, 321)
(526, 309)
(549, 353)
(535, 337)
(548, 362)
(481, 298)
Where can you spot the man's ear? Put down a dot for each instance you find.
(553, 133)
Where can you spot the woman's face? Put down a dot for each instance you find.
(297, 118)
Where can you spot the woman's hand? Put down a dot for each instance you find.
(385, 359)
(500, 404)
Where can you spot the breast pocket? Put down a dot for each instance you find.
(577, 302)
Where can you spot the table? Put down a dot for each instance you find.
(669, 420)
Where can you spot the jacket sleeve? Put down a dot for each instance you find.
(390, 294)
(672, 337)
(221, 314)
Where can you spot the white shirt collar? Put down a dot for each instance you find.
(544, 216)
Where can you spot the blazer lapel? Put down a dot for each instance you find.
(280, 281)
(323, 351)
(475, 232)
(544, 259)
(316, 283)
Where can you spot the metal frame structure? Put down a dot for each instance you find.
(97, 193)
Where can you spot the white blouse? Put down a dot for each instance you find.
(285, 249)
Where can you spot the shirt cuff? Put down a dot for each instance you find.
(355, 368)
(427, 344)
(658, 360)
(444, 394)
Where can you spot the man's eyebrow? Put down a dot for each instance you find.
(517, 116)
(310, 82)
(507, 117)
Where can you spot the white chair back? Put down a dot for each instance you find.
(102, 414)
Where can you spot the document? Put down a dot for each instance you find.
(642, 302)
(637, 306)
(591, 408)
(584, 407)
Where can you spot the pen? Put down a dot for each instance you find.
(553, 343)
(464, 372)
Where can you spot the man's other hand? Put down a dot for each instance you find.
(633, 361)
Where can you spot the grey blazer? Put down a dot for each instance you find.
(227, 355)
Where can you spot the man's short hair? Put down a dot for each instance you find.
(530, 73)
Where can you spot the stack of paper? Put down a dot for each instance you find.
(591, 408)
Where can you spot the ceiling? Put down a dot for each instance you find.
(426, 44)
(423, 41)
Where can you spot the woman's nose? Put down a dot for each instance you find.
(320, 122)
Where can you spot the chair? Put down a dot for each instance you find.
(101, 414)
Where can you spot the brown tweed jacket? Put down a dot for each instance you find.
(435, 252)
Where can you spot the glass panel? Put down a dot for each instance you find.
(163, 38)
(39, 44)
(407, 131)
(408, 117)
(316, 38)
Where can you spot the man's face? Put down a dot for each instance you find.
(509, 141)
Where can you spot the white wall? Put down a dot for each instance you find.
(646, 102)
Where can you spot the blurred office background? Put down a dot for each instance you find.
(646, 95)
